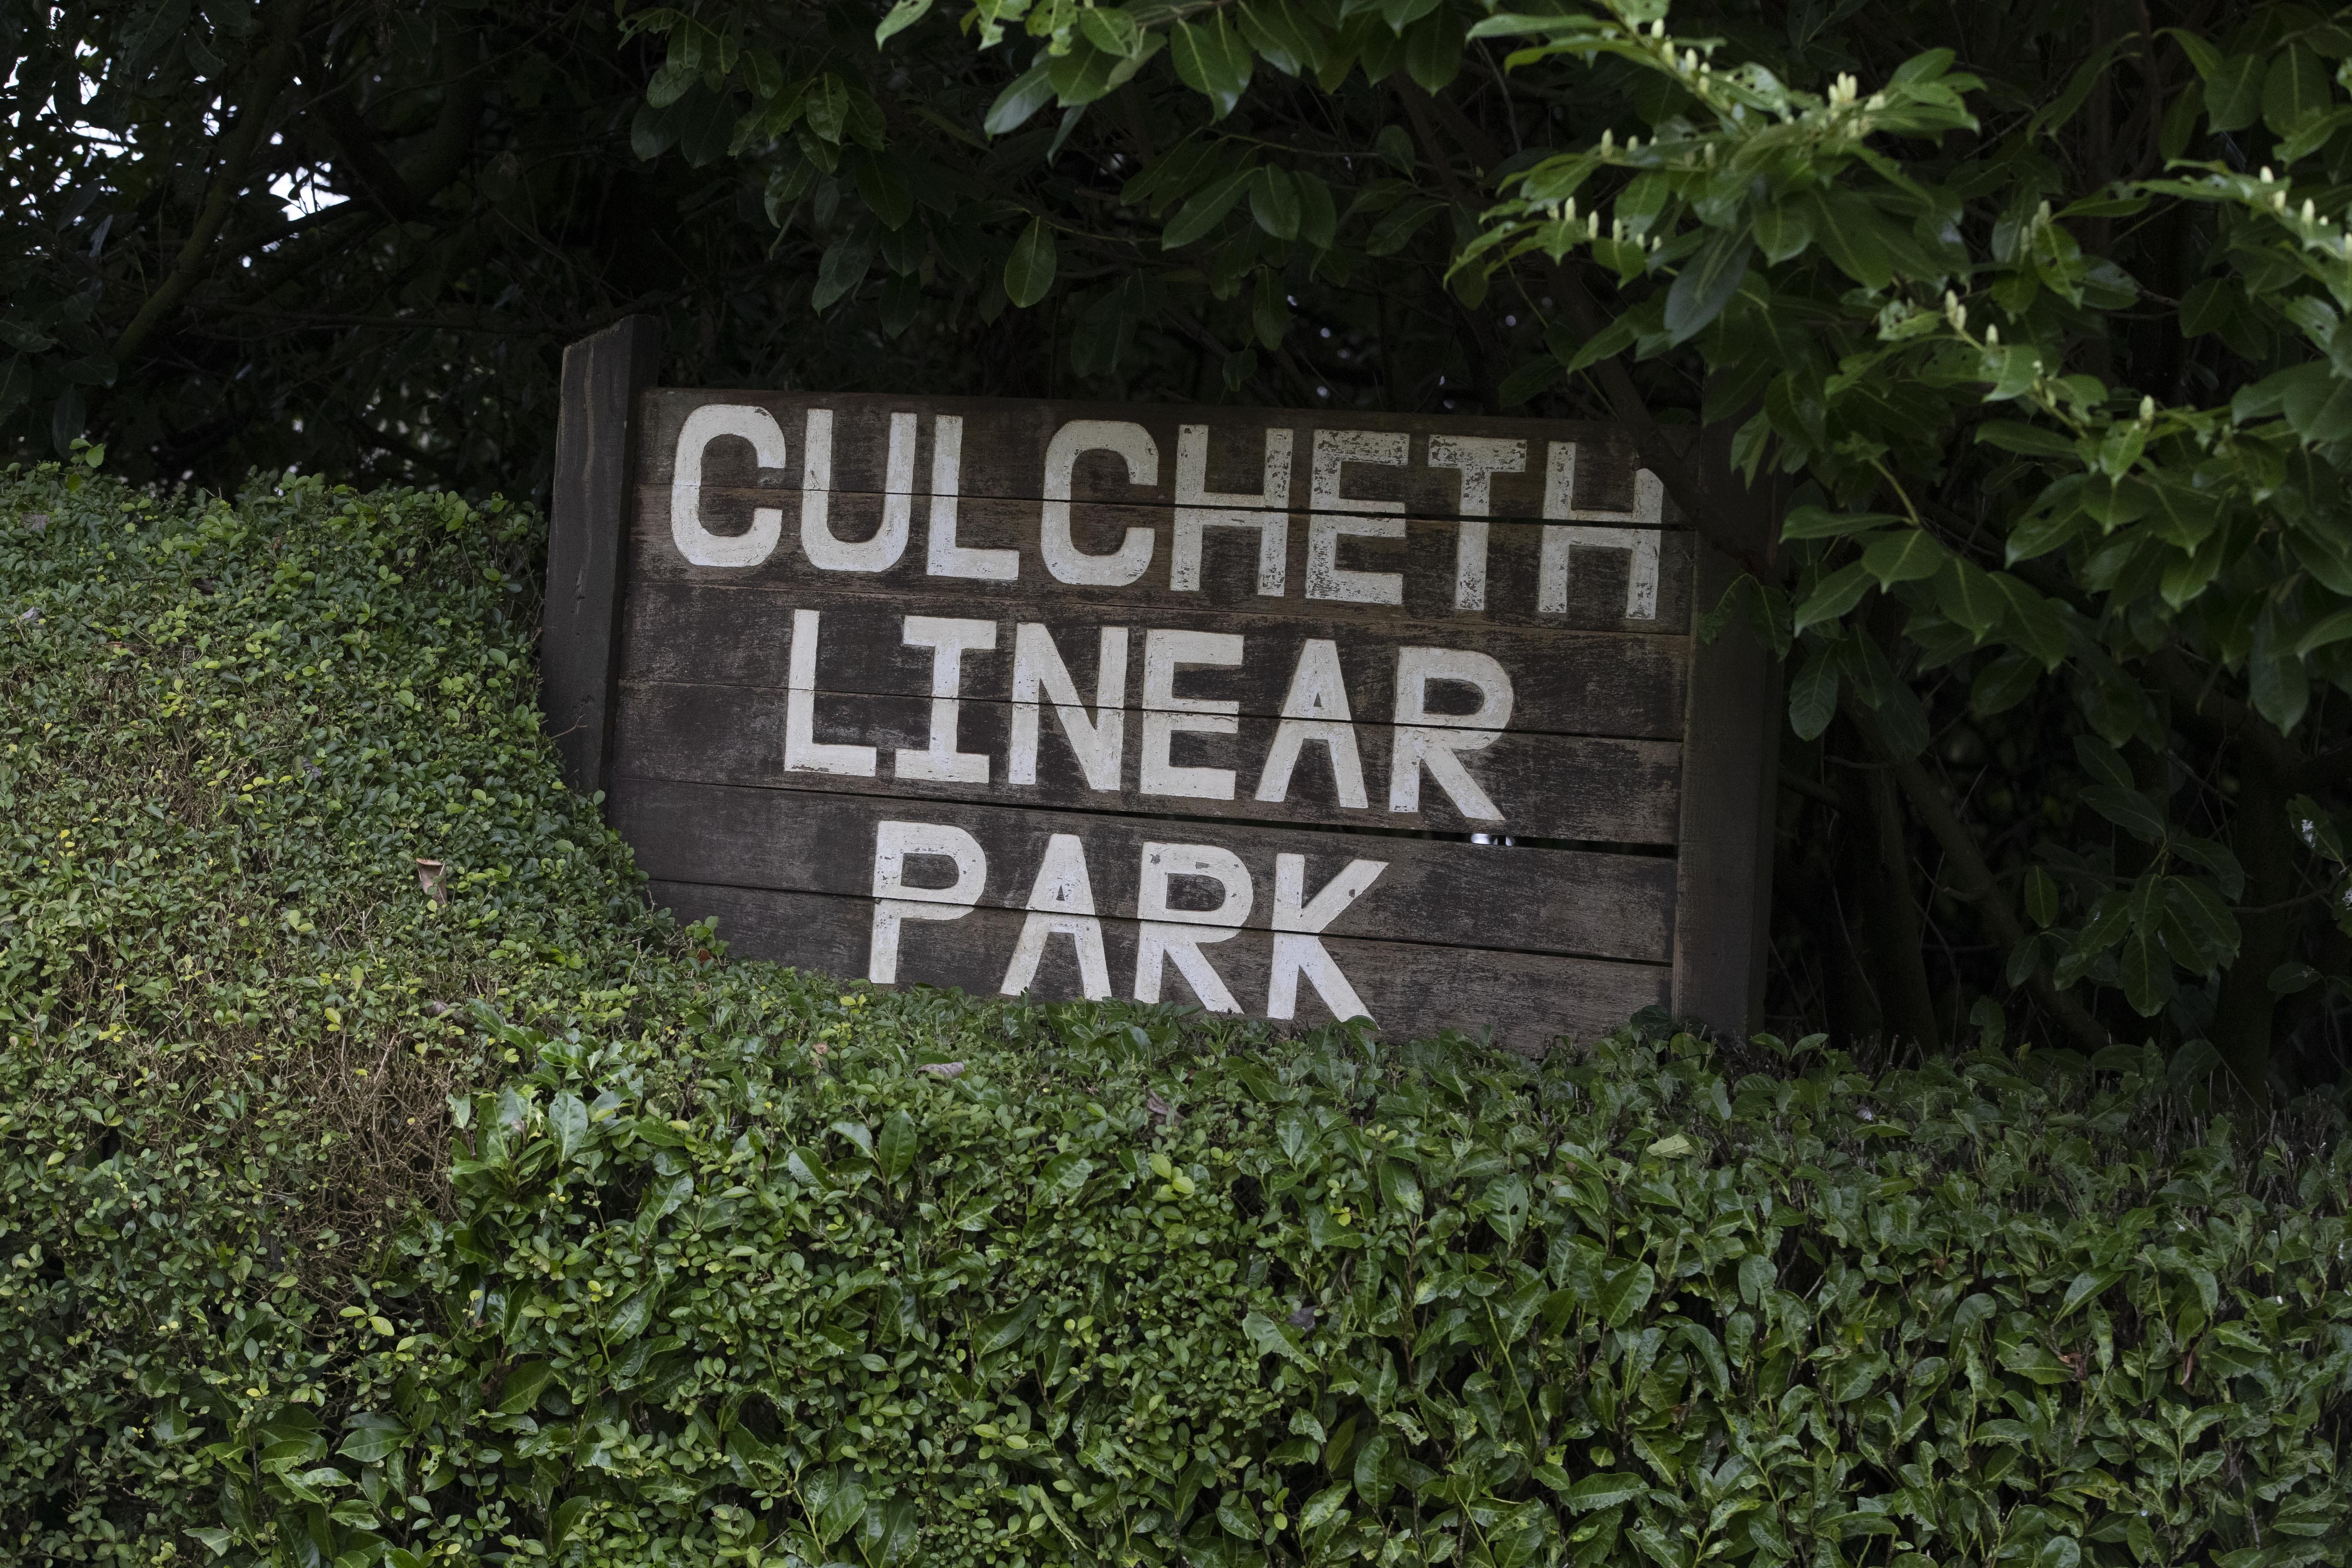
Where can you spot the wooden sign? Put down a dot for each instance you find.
(1286, 713)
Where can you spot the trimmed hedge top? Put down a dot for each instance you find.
(706, 1261)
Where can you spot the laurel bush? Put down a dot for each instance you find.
(354, 1213)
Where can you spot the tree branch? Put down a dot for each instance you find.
(270, 70)
(361, 158)
(1973, 882)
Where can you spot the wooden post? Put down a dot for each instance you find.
(1730, 758)
(587, 526)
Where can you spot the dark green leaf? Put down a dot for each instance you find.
(1005, 1328)
(1605, 1490)
(1274, 202)
(2294, 89)
(1399, 1190)
(1540, 376)
(1836, 594)
(2275, 677)
(1966, 593)
(2233, 92)
(903, 14)
(1274, 1339)
(895, 1151)
(372, 1438)
(2128, 809)
(1813, 696)
(1909, 556)
(1624, 1292)
(1206, 209)
(2030, 439)
(567, 1118)
(1212, 61)
(2004, 684)
(1433, 50)
(1706, 284)
(1029, 271)
(1783, 230)
(1025, 96)
(522, 1387)
(2103, 762)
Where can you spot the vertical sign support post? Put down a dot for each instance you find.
(1730, 757)
(587, 534)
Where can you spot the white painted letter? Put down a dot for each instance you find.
(1064, 559)
(1174, 933)
(802, 751)
(1062, 901)
(1480, 458)
(1315, 709)
(1298, 949)
(1641, 539)
(1326, 579)
(702, 426)
(1165, 713)
(1199, 508)
(949, 559)
(948, 641)
(880, 552)
(895, 901)
(1432, 740)
(1099, 743)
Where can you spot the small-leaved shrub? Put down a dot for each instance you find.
(683, 1260)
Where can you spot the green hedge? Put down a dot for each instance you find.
(692, 1260)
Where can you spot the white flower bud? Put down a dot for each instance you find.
(2148, 410)
(1992, 337)
(2267, 173)
(2309, 211)
(1607, 138)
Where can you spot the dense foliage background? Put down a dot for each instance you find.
(2033, 304)
(379, 1184)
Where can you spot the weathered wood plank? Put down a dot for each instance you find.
(1003, 444)
(1542, 787)
(1513, 898)
(1526, 1000)
(588, 523)
(1568, 683)
(1596, 590)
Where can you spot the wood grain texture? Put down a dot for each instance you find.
(1526, 1000)
(588, 519)
(1544, 786)
(1004, 444)
(1596, 582)
(671, 673)
(1431, 893)
(1564, 683)
(1730, 762)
